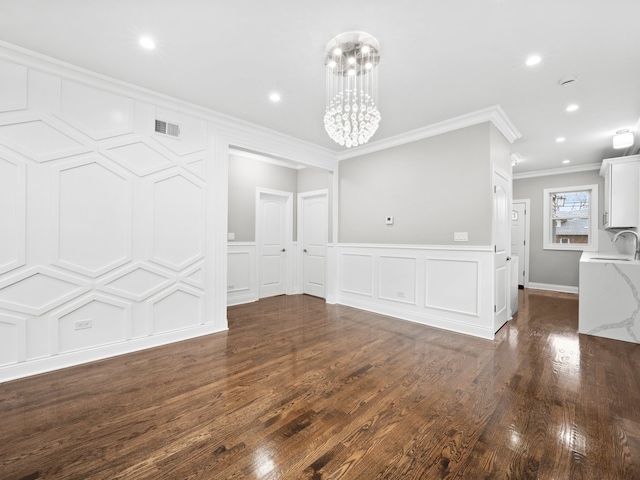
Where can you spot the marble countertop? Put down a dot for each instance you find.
(598, 257)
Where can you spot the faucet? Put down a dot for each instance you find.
(637, 237)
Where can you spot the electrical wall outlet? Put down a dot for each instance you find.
(231, 236)
(400, 294)
(460, 236)
(230, 287)
(83, 324)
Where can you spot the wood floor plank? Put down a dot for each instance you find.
(298, 389)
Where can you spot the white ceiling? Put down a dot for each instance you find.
(439, 59)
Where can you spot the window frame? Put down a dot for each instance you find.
(592, 245)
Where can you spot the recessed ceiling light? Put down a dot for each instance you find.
(566, 161)
(274, 97)
(147, 43)
(560, 139)
(533, 60)
(572, 108)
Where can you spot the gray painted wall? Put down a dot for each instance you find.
(432, 187)
(555, 267)
(245, 175)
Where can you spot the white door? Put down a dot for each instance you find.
(314, 242)
(273, 234)
(501, 231)
(518, 236)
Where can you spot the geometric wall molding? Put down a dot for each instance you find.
(13, 339)
(140, 156)
(178, 237)
(12, 212)
(40, 138)
(38, 290)
(194, 275)
(91, 216)
(177, 308)
(196, 165)
(13, 94)
(97, 113)
(110, 322)
(136, 282)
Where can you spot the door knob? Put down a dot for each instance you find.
(283, 250)
(305, 250)
(508, 258)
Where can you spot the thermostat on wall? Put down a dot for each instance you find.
(388, 220)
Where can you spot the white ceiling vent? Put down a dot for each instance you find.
(166, 128)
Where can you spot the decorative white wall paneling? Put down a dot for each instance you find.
(440, 286)
(112, 237)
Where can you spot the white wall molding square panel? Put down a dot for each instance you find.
(41, 138)
(397, 279)
(178, 308)
(179, 219)
(452, 285)
(13, 94)
(139, 156)
(241, 274)
(193, 132)
(13, 339)
(38, 290)
(357, 273)
(97, 113)
(90, 322)
(91, 216)
(136, 282)
(12, 212)
(194, 275)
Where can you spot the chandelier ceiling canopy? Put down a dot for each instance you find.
(351, 116)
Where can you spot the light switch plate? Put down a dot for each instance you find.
(460, 236)
(231, 236)
(388, 220)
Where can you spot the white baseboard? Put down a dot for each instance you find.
(57, 362)
(231, 301)
(553, 288)
(424, 319)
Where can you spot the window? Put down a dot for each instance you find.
(571, 218)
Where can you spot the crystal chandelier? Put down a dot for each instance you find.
(351, 60)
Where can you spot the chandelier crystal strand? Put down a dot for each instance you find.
(351, 117)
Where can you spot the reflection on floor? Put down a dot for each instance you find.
(300, 389)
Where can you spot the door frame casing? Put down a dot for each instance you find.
(300, 237)
(527, 235)
(288, 196)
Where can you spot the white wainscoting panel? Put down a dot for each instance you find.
(356, 273)
(241, 273)
(178, 308)
(397, 279)
(441, 286)
(452, 284)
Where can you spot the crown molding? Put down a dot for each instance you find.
(239, 132)
(557, 171)
(495, 114)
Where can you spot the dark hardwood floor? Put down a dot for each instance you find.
(297, 389)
